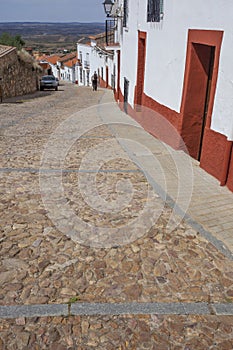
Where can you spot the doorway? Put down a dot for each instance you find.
(141, 67)
(196, 103)
(209, 72)
(106, 77)
(118, 73)
(126, 94)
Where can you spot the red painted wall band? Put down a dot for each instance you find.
(229, 182)
(217, 154)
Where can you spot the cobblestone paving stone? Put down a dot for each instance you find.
(40, 265)
(119, 332)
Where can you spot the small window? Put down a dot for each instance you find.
(81, 75)
(80, 56)
(154, 10)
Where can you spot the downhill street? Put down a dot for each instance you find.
(87, 216)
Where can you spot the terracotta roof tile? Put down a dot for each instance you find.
(42, 58)
(44, 65)
(97, 36)
(4, 50)
(68, 57)
(53, 59)
(71, 63)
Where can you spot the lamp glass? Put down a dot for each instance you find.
(108, 6)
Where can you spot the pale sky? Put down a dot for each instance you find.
(51, 11)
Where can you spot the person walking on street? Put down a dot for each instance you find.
(94, 81)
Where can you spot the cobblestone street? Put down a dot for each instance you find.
(101, 237)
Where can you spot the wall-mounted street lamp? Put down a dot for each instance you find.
(115, 12)
(108, 4)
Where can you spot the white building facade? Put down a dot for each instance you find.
(67, 72)
(94, 58)
(83, 70)
(55, 70)
(176, 59)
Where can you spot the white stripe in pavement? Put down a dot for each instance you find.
(91, 309)
(36, 170)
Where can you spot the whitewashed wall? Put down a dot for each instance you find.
(110, 63)
(82, 52)
(55, 71)
(97, 60)
(67, 74)
(166, 53)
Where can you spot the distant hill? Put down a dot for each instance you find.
(26, 29)
(46, 36)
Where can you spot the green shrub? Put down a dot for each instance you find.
(9, 40)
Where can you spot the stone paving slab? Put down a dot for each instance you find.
(140, 309)
(194, 332)
(218, 221)
(39, 264)
(27, 152)
(75, 308)
(33, 310)
(43, 261)
(223, 309)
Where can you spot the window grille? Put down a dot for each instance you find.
(113, 77)
(81, 75)
(80, 56)
(109, 30)
(161, 9)
(154, 10)
(126, 11)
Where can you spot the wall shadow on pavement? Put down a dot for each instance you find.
(25, 98)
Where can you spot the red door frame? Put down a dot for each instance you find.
(139, 89)
(229, 168)
(204, 37)
(106, 76)
(197, 101)
(118, 74)
(216, 149)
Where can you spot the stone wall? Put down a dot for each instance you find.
(18, 76)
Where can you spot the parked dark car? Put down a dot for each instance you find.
(48, 82)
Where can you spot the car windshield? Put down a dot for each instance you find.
(48, 77)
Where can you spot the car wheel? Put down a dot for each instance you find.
(56, 88)
(41, 89)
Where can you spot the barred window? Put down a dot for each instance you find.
(81, 75)
(126, 11)
(80, 56)
(154, 10)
